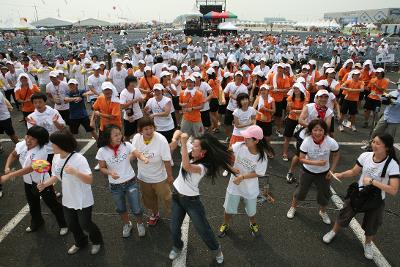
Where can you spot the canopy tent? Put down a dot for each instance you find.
(217, 15)
(371, 26)
(91, 23)
(228, 15)
(227, 26)
(318, 24)
(52, 23)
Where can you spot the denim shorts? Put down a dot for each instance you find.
(231, 204)
(127, 191)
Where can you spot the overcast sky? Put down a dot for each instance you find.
(167, 10)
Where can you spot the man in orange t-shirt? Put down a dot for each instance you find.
(191, 101)
(23, 94)
(377, 86)
(353, 88)
(107, 106)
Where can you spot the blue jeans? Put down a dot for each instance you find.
(130, 190)
(195, 209)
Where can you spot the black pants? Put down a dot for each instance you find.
(49, 197)
(8, 94)
(79, 221)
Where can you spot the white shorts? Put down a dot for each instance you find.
(231, 204)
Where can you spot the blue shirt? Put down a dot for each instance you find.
(392, 112)
(77, 110)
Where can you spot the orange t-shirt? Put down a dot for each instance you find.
(282, 83)
(215, 88)
(26, 93)
(192, 101)
(149, 84)
(341, 74)
(295, 104)
(365, 76)
(267, 115)
(375, 92)
(109, 108)
(353, 96)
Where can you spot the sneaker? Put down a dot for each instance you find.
(97, 167)
(254, 230)
(141, 229)
(153, 219)
(290, 178)
(1, 193)
(126, 229)
(28, 229)
(279, 134)
(325, 217)
(328, 237)
(368, 253)
(173, 254)
(225, 173)
(353, 128)
(285, 158)
(365, 124)
(227, 140)
(72, 250)
(220, 257)
(58, 194)
(341, 129)
(291, 212)
(95, 249)
(223, 229)
(63, 231)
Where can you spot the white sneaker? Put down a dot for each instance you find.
(72, 250)
(279, 134)
(97, 167)
(291, 212)
(325, 217)
(173, 254)
(219, 258)
(1, 193)
(63, 231)
(368, 253)
(126, 229)
(329, 236)
(353, 128)
(341, 128)
(141, 229)
(95, 249)
(225, 173)
(28, 229)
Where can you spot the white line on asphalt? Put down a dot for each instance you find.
(180, 261)
(379, 259)
(21, 214)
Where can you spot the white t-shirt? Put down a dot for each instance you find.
(247, 162)
(162, 123)
(75, 193)
(4, 113)
(189, 186)
(58, 92)
(118, 78)
(138, 74)
(206, 90)
(373, 169)
(96, 83)
(233, 89)
(127, 96)
(244, 118)
(318, 152)
(312, 115)
(157, 151)
(119, 163)
(27, 156)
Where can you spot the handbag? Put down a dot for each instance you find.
(369, 197)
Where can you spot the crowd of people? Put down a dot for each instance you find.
(145, 105)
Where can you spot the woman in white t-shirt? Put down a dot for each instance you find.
(114, 156)
(73, 170)
(155, 175)
(250, 163)
(207, 157)
(371, 165)
(130, 98)
(243, 117)
(315, 152)
(159, 108)
(27, 151)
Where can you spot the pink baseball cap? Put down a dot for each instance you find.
(254, 131)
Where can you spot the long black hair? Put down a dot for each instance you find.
(388, 141)
(216, 158)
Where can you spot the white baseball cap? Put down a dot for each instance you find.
(322, 92)
(118, 60)
(164, 73)
(158, 86)
(73, 81)
(210, 71)
(53, 74)
(147, 68)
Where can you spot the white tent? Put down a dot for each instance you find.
(371, 26)
(227, 26)
(350, 25)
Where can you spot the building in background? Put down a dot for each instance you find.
(365, 16)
